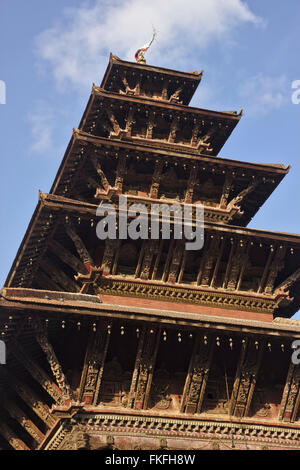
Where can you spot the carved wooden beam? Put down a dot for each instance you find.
(150, 126)
(190, 185)
(291, 395)
(100, 172)
(79, 245)
(173, 129)
(66, 256)
(159, 164)
(38, 374)
(168, 260)
(130, 121)
(121, 170)
(226, 190)
(157, 259)
(150, 250)
(111, 247)
(15, 442)
(196, 380)
(140, 259)
(32, 400)
(276, 266)
(240, 258)
(175, 98)
(285, 285)
(238, 200)
(265, 271)
(229, 262)
(176, 261)
(209, 260)
(195, 133)
(245, 380)
(94, 363)
(55, 366)
(113, 122)
(217, 265)
(144, 366)
(182, 267)
(19, 415)
(164, 93)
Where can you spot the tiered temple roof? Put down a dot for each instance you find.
(186, 347)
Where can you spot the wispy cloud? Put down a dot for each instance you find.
(41, 120)
(76, 48)
(262, 94)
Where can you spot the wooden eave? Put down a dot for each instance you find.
(68, 168)
(100, 93)
(63, 303)
(51, 209)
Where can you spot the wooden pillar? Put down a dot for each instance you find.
(144, 366)
(246, 376)
(94, 363)
(196, 380)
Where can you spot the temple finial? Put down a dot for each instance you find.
(139, 55)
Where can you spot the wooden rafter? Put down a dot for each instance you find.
(38, 373)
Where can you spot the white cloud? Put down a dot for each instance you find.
(42, 126)
(76, 48)
(262, 94)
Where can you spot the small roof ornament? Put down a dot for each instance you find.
(139, 55)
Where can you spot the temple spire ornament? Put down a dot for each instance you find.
(139, 55)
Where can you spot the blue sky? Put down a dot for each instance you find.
(52, 52)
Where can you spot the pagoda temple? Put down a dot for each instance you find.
(142, 344)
